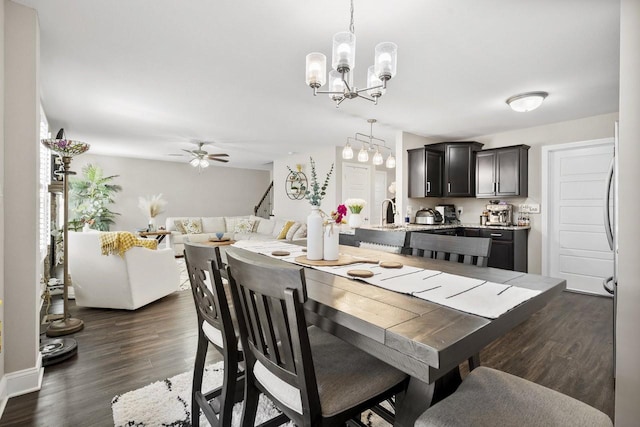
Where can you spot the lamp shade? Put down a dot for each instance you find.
(373, 81)
(386, 58)
(316, 69)
(336, 84)
(363, 155)
(347, 152)
(526, 101)
(391, 162)
(343, 55)
(65, 147)
(377, 158)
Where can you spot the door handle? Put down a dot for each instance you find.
(428, 187)
(496, 234)
(448, 187)
(607, 197)
(605, 284)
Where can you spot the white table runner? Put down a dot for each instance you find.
(475, 296)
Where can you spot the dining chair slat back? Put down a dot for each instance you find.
(466, 250)
(215, 326)
(389, 241)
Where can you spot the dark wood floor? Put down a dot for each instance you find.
(567, 346)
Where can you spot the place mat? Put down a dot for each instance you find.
(280, 253)
(360, 273)
(390, 264)
(343, 259)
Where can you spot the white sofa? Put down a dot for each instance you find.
(111, 281)
(263, 229)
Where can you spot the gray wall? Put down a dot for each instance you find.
(216, 191)
(627, 410)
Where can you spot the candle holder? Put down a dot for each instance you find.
(66, 149)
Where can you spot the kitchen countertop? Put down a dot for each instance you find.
(424, 227)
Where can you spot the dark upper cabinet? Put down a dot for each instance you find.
(459, 168)
(502, 172)
(425, 173)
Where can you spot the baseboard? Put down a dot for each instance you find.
(3, 394)
(25, 381)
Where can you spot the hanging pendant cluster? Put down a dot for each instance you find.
(341, 85)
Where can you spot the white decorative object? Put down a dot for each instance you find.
(152, 224)
(355, 220)
(86, 228)
(331, 241)
(314, 234)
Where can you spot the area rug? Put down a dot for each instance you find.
(168, 403)
(184, 276)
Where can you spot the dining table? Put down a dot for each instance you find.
(424, 339)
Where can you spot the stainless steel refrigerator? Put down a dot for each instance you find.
(610, 209)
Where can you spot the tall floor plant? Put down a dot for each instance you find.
(90, 196)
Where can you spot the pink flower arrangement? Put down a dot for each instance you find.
(339, 214)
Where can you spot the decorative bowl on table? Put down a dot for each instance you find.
(219, 236)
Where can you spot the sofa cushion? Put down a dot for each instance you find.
(192, 225)
(300, 233)
(277, 228)
(265, 226)
(285, 229)
(231, 222)
(179, 226)
(244, 226)
(256, 221)
(292, 230)
(213, 224)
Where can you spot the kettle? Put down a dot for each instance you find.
(428, 216)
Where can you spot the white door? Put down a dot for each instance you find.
(356, 184)
(577, 248)
(379, 194)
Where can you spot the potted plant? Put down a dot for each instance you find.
(89, 198)
(355, 207)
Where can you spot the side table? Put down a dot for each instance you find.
(158, 235)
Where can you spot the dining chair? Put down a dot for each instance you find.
(488, 398)
(215, 326)
(466, 250)
(387, 241)
(313, 377)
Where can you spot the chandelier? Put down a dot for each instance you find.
(343, 62)
(367, 146)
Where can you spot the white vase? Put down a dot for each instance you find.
(355, 220)
(331, 241)
(314, 234)
(152, 224)
(86, 228)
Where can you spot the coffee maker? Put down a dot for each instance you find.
(500, 214)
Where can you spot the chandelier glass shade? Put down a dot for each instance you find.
(369, 143)
(343, 61)
(65, 147)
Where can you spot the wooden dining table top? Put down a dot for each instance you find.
(424, 339)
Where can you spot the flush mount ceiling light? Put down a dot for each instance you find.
(343, 58)
(369, 145)
(526, 101)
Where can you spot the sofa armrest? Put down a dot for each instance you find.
(152, 273)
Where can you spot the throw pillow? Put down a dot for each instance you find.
(301, 233)
(285, 229)
(192, 226)
(244, 226)
(292, 230)
(266, 226)
(179, 226)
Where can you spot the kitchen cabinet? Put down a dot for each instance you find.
(425, 172)
(502, 172)
(458, 178)
(508, 247)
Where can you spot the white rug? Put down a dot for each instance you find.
(168, 403)
(184, 276)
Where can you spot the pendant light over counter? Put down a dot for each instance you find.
(368, 145)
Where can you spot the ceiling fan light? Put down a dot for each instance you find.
(316, 70)
(204, 163)
(194, 162)
(526, 101)
(386, 60)
(343, 55)
(377, 158)
(363, 155)
(347, 152)
(391, 162)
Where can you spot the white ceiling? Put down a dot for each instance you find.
(143, 78)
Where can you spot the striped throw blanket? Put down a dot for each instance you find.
(118, 242)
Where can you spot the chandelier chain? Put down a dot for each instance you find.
(352, 27)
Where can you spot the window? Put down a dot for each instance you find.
(45, 174)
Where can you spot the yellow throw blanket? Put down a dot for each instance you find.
(118, 242)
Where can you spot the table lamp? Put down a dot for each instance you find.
(66, 149)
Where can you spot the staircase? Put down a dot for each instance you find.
(265, 205)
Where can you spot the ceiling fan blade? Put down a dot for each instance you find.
(211, 156)
(189, 151)
(219, 160)
(176, 154)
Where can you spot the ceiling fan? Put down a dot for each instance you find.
(200, 158)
